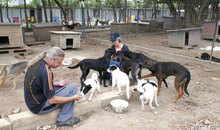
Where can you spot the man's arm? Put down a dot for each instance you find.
(59, 99)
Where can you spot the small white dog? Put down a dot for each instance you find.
(91, 84)
(120, 79)
(148, 91)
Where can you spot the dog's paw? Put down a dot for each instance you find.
(157, 105)
(89, 100)
(83, 99)
(151, 107)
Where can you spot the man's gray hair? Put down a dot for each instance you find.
(54, 52)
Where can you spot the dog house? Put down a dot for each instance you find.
(11, 35)
(184, 37)
(65, 39)
(209, 29)
(42, 30)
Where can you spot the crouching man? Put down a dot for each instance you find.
(43, 96)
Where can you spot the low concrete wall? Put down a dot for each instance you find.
(27, 120)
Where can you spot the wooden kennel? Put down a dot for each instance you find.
(184, 37)
(65, 39)
(11, 35)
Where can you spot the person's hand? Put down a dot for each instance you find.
(77, 97)
(63, 82)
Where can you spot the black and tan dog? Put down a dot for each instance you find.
(127, 65)
(139, 58)
(164, 69)
(71, 27)
(100, 65)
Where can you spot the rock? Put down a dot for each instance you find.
(15, 111)
(47, 127)
(206, 122)
(38, 127)
(214, 78)
(197, 82)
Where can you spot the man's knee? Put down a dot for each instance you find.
(72, 88)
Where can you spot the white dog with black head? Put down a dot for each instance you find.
(148, 90)
(91, 85)
(120, 79)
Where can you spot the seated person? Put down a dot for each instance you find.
(118, 46)
(42, 95)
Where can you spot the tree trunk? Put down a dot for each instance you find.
(67, 9)
(125, 8)
(1, 14)
(174, 13)
(114, 11)
(7, 12)
(45, 11)
(119, 6)
(20, 15)
(187, 14)
(64, 13)
(25, 12)
(88, 18)
(51, 12)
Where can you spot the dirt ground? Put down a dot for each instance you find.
(201, 110)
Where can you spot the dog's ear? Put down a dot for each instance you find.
(135, 89)
(83, 85)
(89, 86)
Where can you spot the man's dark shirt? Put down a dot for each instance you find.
(38, 86)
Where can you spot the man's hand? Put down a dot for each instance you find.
(77, 97)
(61, 83)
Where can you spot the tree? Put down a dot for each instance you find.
(51, 12)
(7, 11)
(195, 11)
(1, 16)
(45, 10)
(124, 10)
(25, 12)
(112, 3)
(61, 7)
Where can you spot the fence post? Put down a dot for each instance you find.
(214, 37)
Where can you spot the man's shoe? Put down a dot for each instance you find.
(70, 122)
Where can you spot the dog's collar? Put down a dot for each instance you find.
(152, 83)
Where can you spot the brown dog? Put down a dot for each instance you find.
(165, 69)
(12, 71)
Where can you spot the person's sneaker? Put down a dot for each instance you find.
(71, 122)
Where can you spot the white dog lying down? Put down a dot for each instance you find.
(120, 79)
(148, 91)
(91, 84)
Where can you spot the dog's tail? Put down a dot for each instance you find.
(188, 77)
(75, 66)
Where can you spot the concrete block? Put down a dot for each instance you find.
(27, 120)
(5, 124)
